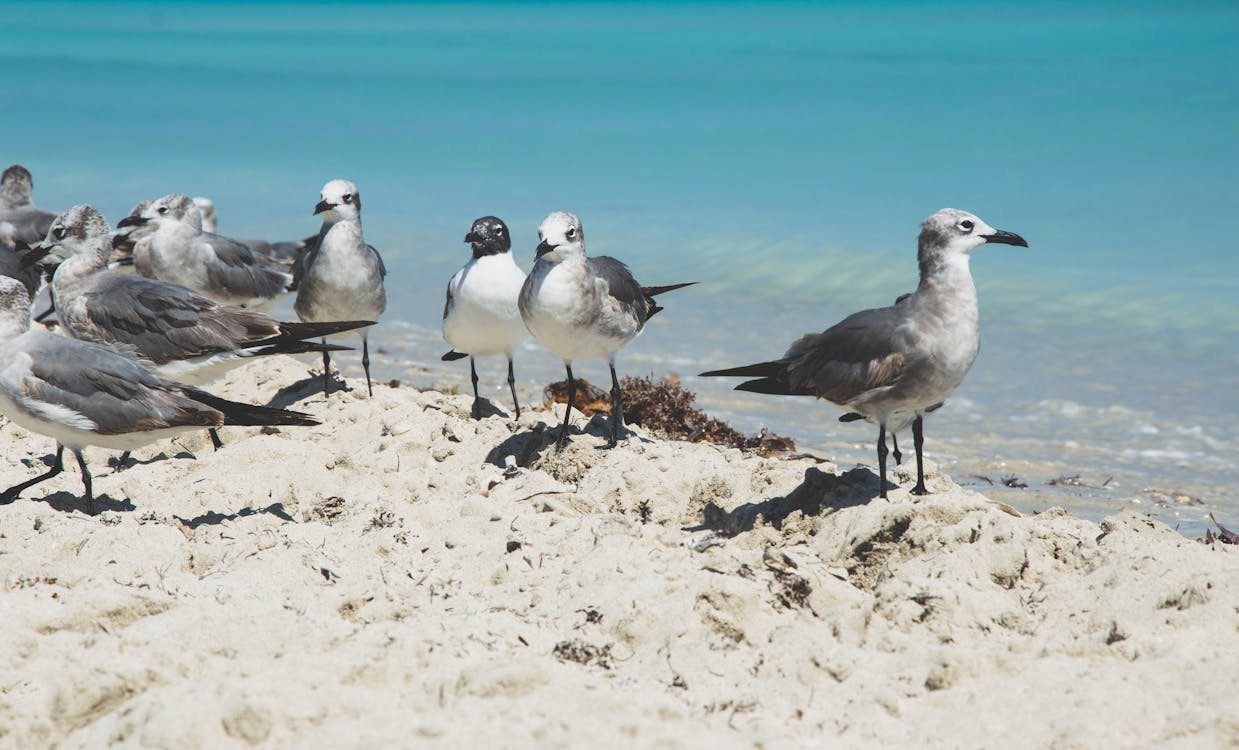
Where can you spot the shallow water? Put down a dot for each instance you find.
(783, 155)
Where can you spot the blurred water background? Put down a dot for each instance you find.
(782, 154)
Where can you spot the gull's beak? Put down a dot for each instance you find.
(471, 237)
(119, 240)
(544, 247)
(323, 206)
(1006, 238)
(35, 254)
(132, 221)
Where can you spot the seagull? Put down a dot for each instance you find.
(20, 220)
(481, 317)
(341, 277)
(581, 307)
(81, 393)
(280, 256)
(186, 337)
(218, 267)
(892, 365)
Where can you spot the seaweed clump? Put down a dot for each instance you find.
(666, 406)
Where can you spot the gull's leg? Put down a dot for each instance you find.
(918, 440)
(215, 441)
(617, 409)
(895, 449)
(365, 362)
(512, 387)
(473, 375)
(326, 371)
(58, 466)
(81, 464)
(563, 432)
(882, 451)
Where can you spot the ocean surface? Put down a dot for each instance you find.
(782, 154)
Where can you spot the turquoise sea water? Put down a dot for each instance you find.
(781, 154)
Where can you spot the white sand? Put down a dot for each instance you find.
(351, 585)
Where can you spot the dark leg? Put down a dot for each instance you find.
(512, 387)
(215, 441)
(563, 432)
(365, 363)
(81, 464)
(326, 370)
(617, 410)
(58, 466)
(119, 463)
(882, 451)
(918, 440)
(473, 375)
(895, 449)
(43, 315)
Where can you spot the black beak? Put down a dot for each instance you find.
(323, 206)
(119, 240)
(34, 255)
(544, 247)
(132, 221)
(471, 237)
(1006, 238)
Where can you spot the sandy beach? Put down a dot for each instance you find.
(381, 580)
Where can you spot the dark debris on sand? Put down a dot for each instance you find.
(666, 407)
(1224, 535)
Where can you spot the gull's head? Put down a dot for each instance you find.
(14, 308)
(81, 230)
(16, 186)
(489, 236)
(207, 209)
(954, 233)
(169, 210)
(340, 200)
(560, 236)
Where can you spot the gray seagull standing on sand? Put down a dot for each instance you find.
(481, 317)
(218, 267)
(341, 277)
(581, 307)
(186, 337)
(21, 222)
(81, 393)
(892, 365)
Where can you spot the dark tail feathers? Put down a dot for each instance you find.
(654, 291)
(249, 415)
(769, 379)
(452, 356)
(319, 330)
(297, 346)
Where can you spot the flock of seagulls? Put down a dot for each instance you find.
(159, 307)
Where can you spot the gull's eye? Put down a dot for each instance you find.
(59, 233)
(348, 197)
(162, 210)
(571, 232)
(966, 225)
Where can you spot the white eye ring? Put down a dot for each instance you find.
(571, 232)
(966, 225)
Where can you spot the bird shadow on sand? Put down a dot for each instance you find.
(529, 447)
(818, 493)
(116, 467)
(308, 387)
(67, 502)
(212, 518)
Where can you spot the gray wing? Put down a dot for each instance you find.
(238, 271)
(163, 322)
(864, 351)
(379, 258)
(111, 390)
(623, 287)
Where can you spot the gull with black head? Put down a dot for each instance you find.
(892, 365)
(341, 277)
(584, 307)
(481, 316)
